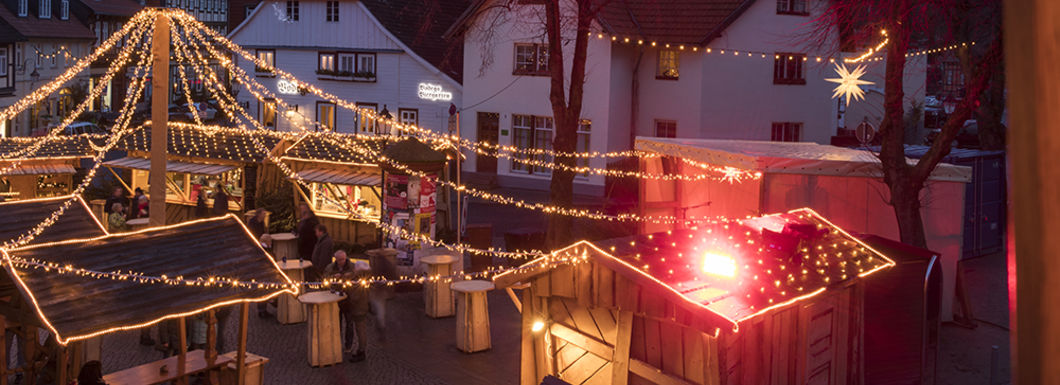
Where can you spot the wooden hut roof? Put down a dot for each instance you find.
(730, 272)
(76, 306)
(59, 147)
(207, 142)
(23, 215)
(314, 147)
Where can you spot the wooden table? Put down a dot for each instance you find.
(255, 369)
(325, 337)
(149, 373)
(138, 223)
(288, 309)
(472, 315)
(436, 294)
(284, 245)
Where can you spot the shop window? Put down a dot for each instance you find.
(786, 132)
(668, 65)
(335, 200)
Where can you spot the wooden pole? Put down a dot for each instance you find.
(241, 355)
(60, 366)
(159, 120)
(211, 336)
(182, 352)
(3, 352)
(1033, 80)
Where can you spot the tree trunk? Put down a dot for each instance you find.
(991, 107)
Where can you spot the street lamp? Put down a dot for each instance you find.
(949, 104)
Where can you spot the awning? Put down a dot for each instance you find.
(42, 169)
(354, 178)
(171, 166)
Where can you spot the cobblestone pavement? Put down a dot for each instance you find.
(416, 349)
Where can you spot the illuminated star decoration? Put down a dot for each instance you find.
(849, 83)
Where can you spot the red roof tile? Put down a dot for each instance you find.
(113, 7)
(33, 27)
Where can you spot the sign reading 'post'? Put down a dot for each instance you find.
(434, 93)
(286, 87)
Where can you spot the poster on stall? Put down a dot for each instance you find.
(425, 225)
(427, 195)
(396, 191)
(413, 192)
(404, 257)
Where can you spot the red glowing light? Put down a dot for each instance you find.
(719, 264)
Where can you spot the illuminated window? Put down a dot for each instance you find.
(786, 132)
(269, 57)
(326, 116)
(326, 63)
(531, 59)
(791, 7)
(787, 68)
(584, 130)
(366, 123)
(268, 113)
(292, 10)
(532, 132)
(668, 65)
(665, 128)
(332, 11)
(335, 200)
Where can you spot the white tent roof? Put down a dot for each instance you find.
(786, 157)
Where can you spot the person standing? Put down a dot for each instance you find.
(141, 208)
(353, 309)
(306, 231)
(256, 224)
(118, 196)
(201, 210)
(379, 295)
(266, 243)
(322, 251)
(220, 201)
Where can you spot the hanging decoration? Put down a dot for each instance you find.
(849, 83)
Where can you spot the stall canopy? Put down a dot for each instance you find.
(171, 166)
(346, 177)
(207, 142)
(786, 157)
(60, 147)
(727, 273)
(350, 149)
(22, 216)
(76, 306)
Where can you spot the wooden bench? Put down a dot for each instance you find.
(195, 362)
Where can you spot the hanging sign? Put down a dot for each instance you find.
(286, 87)
(433, 92)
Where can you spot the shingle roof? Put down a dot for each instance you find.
(314, 147)
(220, 144)
(33, 27)
(77, 146)
(420, 24)
(75, 306)
(112, 7)
(21, 216)
(671, 21)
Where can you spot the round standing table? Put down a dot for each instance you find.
(325, 338)
(288, 309)
(138, 223)
(436, 294)
(284, 245)
(472, 315)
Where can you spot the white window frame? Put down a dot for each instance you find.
(786, 131)
(409, 116)
(333, 118)
(369, 57)
(3, 61)
(64, 9)
(539, 134)
(659, 122)
(292, 10)
(585, 127)
(269, 57)
(346, 58)
(326, 61)
(366, 124)
(23, 8)
(538, 65)
(331, 12)
(45, 11)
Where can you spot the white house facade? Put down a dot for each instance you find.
(701, 69)
(356, 50)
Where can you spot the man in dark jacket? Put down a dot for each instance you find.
(118, 196)
(307, 237)
(220, 201)
(322, 251)
(354, 309)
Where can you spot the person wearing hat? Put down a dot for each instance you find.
(353, 309)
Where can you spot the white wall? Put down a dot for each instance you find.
(24, 85)
(872, 107)
(398, 71)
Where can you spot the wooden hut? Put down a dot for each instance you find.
(23, 215)
(770, 300)
(340, 181)
(78, 303)
(47, 172)
(411, 199)
(200, 160)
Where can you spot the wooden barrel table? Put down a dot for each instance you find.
(284, 245)
(325, 337)
(138, 224)
(436, 294)
(472, 315)
(288, 309)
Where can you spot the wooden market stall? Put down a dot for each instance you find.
(411, 199)
(74, 307)
(769, 300)
(340, 181)
(47, 172)
(843, 184)
(200, 160)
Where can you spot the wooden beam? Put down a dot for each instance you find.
(241, 355)
(211, 336)
(654, 374)
(182, 352)
(589, 344)
(60, 365)
(3, 351)
(19, 316)
(515, 299)
(620, 360)
(527, 354)
(159, 120)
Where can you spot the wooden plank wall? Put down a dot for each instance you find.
(351, 231)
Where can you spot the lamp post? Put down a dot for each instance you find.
(949, 104)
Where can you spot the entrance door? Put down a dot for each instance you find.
(488, 124)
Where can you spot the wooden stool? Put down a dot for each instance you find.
(325, 339)
(284, 245)
(138, 223)
(472, 315)
(436, 294)
(288, 309)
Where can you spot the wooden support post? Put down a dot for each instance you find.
(211, 336)
(182, 352)
(159, 120)
(241, 355)
(620, 360)
(3, 352)
(60, 366)
(29, 352)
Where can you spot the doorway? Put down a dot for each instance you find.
(488, 125)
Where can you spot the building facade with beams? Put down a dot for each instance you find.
(648, 74)
(381, 55)
(213, 13)
(39, 40)
(104, 18)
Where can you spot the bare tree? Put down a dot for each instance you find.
(906, 20)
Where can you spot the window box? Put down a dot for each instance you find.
(348, 76)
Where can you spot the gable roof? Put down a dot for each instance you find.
(663, 21)
(420, 25)
(31, 27)
(312, 146)
(67, 147)
(207, 142)
(23, 215)
(729, 272)
(76, 306)
(111, 7)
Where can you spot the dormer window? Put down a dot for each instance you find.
(64, 9)
(23, 8)
(45, 9)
